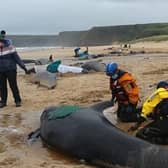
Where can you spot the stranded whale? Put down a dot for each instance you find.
(85, 134)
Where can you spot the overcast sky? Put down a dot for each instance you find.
(53, 16)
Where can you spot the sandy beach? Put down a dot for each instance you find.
(79, 89)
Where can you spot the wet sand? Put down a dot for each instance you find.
(78, 89)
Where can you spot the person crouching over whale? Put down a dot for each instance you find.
(156, 108)
(124, 91)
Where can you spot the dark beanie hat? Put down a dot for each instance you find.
(3, 32)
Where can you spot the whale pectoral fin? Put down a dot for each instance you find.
(110, 114)
(33, 136)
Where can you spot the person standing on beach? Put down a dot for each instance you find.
(50, 58)
(8, 70)
(124, 91)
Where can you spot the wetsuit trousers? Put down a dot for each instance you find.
(155, 132)
(11, 77)
(127, 113)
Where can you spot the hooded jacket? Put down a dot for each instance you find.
(153, 101)
(125, 88)
(9, 58)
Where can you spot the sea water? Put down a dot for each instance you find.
(25, 49)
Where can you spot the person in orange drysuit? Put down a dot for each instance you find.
(124, 91)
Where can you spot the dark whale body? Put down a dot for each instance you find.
(87, 135)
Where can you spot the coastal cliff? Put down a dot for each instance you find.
(95, 36)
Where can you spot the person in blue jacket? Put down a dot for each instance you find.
(9, 58)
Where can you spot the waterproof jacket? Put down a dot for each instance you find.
(153, 100)
(125, 88)
(9, 58)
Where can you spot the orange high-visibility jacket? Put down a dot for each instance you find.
(128, 88)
